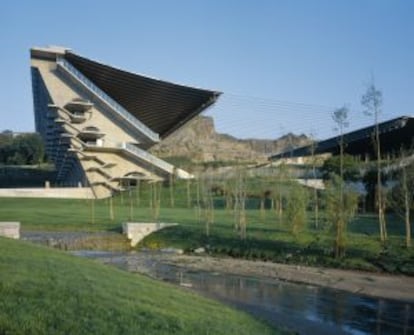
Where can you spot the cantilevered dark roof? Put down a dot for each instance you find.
(160, 105)
(394, 134)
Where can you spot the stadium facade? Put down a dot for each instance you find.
(98, 122)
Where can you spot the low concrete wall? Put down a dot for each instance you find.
(136, 231)
(10, 229)
(59, 192)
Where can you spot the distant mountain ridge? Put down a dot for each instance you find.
(199, 141)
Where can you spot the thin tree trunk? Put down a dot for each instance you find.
(137, 193)
(188, 194)
(407, 209)
(111, 208)
(92, 210)
(131, 205)
(198, 214)
(316, 207)
(172, 202)
(381, 204)
(262, 209)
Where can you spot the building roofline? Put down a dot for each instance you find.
(160, 105)
(356, 142)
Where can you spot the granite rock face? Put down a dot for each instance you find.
(199, 142)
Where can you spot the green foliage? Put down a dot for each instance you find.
(404, 184)
(351, 167)
(401, 197)
(22, 149)
(296, 208)
(341, 206)
(43, 291)
(340, 117)
(372, 101)
(370, 181)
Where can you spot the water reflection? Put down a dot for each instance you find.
(303, 308)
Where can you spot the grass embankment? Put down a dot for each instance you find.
(269, 237)
(44, 291)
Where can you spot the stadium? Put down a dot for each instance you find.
(98, 122)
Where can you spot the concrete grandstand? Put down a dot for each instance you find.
(98, 121)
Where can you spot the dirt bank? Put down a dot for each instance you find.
(371, 284)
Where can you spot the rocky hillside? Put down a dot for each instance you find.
(199, 141)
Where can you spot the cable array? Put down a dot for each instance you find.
(254, 117)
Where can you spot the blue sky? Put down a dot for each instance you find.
(282, 65)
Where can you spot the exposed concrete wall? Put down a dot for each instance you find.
(63, 92)
(121, 164)
(61, 192)
(98, 159)
(136, 231)
(10, 229)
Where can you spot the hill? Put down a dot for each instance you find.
(199, 141)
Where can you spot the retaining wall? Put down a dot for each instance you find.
(59, 192)
(10, 229)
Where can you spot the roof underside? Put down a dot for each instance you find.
(160, 105)
(395, 134)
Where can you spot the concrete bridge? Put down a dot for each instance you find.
(136, 231)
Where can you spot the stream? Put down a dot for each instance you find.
(303, 308)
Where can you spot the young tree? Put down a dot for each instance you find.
(198, 197)
(171, 184)
(372, 101)
(188, 192)
(208, 203)
(240, 195)
(111, 208)
(296, 208)
(341, 202)
(340, 117)
(401, 197)
(228, 191)
(131, 203)
(92, 210)
(315, 190)
(279, 191)
(341, 205)
(138, 192)
(155, 199)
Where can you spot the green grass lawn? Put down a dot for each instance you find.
(44, 291)
(268, 236)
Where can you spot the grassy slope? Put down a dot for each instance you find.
(43, 291)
